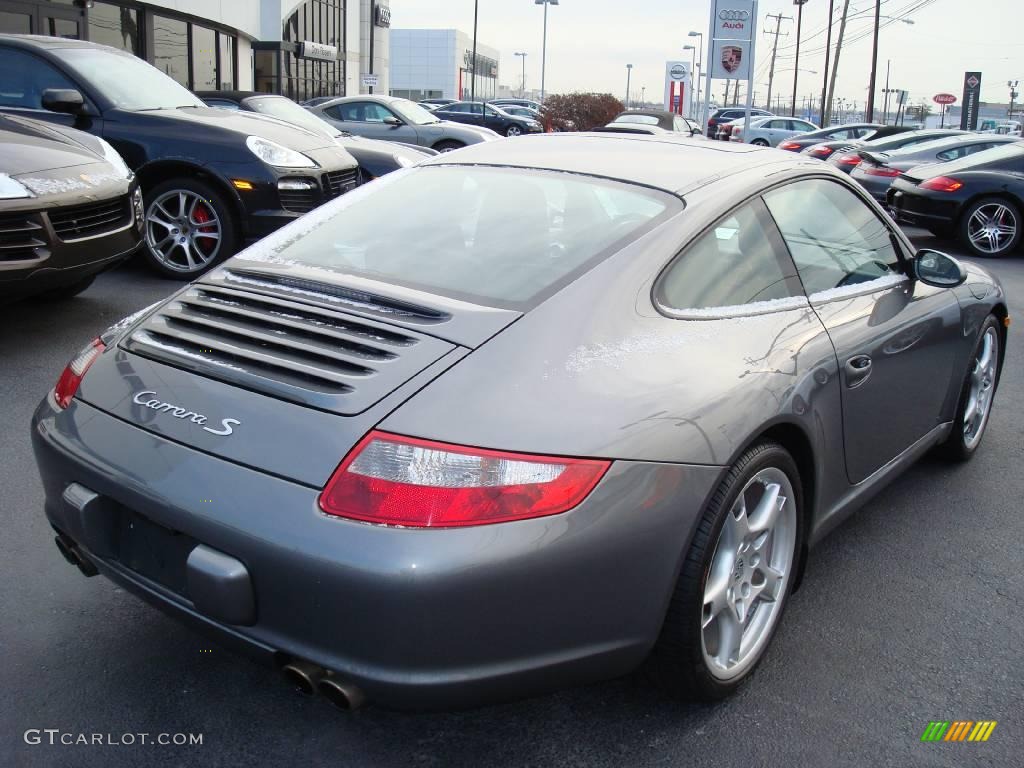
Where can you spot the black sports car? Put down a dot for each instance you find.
(211, 179)
(844, 133)
(69, 209)
(375, 158)
(979, 199)
(488, 116)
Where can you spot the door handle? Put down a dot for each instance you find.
(858, 368)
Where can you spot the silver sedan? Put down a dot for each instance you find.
(392, 119)
(769, 131)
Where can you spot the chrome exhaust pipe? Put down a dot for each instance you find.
(69, 550)
(340, 693)
(303, 675)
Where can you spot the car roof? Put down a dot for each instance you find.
(670, 162)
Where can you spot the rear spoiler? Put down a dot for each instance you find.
(878, 158)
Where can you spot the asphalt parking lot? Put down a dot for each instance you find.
(910, 612)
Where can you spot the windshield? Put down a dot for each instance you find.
(289, 111)
(505, 237)
(412, 112)
(640, 119)
(127, 81)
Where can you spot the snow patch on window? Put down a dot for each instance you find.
(868, 286)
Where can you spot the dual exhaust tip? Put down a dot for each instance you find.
(69, 550)
(307, 677)
(310, 679)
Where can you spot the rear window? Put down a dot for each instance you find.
(641, 119)
(504, 237)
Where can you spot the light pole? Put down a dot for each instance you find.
(796, 66)
(472, 80)
(629, 74)
(693, 52)
(698, 66)
(544, 48)
(522, 91)
(1012, 85)
(643, 96)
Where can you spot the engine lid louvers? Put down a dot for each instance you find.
(305, 354)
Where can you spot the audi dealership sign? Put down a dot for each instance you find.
(733, 23)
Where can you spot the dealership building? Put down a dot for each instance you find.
(298, 49)
(438, 63)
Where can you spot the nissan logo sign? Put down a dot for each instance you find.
(734, 15)
(678, 72)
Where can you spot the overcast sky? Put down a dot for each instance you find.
(591, 41)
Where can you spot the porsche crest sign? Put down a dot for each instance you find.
(733, 23)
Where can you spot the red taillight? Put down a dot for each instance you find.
(821, 151)
(880, 170)
(942, 184)
(396, 480)
(790, 145)
(74, 372)
(851, 158)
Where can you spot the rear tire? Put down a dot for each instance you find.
(448, 146)
(991, 227)
(976, 395)
(759, 143)
(733, 582)
(189, 228)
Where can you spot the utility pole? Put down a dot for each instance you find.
(869, 110)
(725, 96)
(629, 74)
(775, 47)
(835, 61)
(1012, 85)
(796, 67)
(735, 92)
(522, 91)
(828, 51)
(888, 69)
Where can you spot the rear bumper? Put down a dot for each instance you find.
(916, 209)
(416, 618)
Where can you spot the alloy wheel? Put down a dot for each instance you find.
(982, 387)
(749, 575)
(183, 231)
(513, 131)
(992, 228)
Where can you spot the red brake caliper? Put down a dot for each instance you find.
(201, 215)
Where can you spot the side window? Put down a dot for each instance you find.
(835, 239)
(740, 260)
(456, 108)
(220, 104)
(375, 113)
(23, 78)
(952, 154)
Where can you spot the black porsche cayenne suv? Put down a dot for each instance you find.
(211, 179)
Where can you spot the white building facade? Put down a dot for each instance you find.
(438, 63)
(298, 48)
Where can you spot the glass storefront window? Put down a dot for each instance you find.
(227, 61)
(16, 23)
(170, 48)
(115, 26)
(204, 59)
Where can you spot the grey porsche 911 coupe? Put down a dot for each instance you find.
(527, 415)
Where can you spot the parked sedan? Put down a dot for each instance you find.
(877, 169)
(667, 121)
(211, 179)
(769, 131)
(489, 116)
(375, 158)
(392, 119)
(842, 133)
(726, 115)
(69, 209)
(979, 199)
(520, 417)
(845, 155)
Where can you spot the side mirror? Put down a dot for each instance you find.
(393, 121)
(938, 269)
(65, 100)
